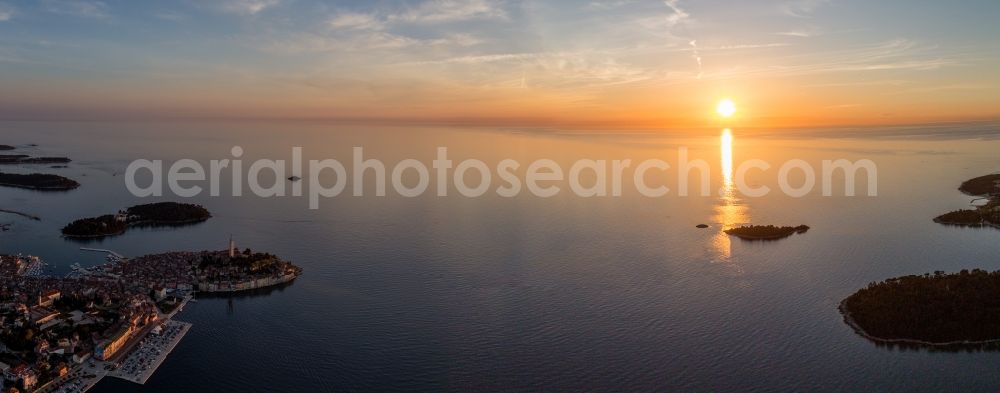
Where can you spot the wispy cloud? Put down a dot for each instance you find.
(608, 4)
(677, 17)
(801, 8)
(355, 20)
(439, 11)
(366, 41)
(428, 12)
(247, 7)
(678, 14)
(81, 8)
(6, 12)
(797, 33)
(949, 87)
(894, 55)
(170, 16)
(746, 46)
(889, 82)
(697, 57)
(558, 70)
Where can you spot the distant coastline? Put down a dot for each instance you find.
(17, 159)
(987, 215)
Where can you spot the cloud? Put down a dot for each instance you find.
(560, 70)
(247, 7)
(170, 16)
(608, 4)
(6, 12)
(895, 55)
(357, 21)
(678, 16)
(81, 8)
(440, 11)
(366, 41)
(697, 57)
(801, 8)
(796, 33)
(747, 46)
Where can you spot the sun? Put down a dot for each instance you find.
(726, 108)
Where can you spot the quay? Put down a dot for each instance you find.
(109, 252)
(143, 361)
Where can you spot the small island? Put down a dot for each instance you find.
(38, 181)
(959, 309)
(6, 147)
(154, 214)
(765, 232)
(988, 214)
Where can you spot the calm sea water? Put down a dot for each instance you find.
(532, 294)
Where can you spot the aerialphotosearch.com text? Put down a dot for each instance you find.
(543, 178)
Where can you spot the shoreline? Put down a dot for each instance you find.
(769, 237)
(861, 332)
(982, 224)
(281, 281)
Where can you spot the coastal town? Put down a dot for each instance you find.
(64, 334)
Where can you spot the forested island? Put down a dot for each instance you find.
(6, 147)
(154, 214)
(932, 309)
(987, 214)
(765, 232)
(37, 181)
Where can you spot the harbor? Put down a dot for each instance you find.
(144, 354)
(114, 319)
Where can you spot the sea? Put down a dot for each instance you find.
(528, 293)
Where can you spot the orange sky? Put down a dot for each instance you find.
(610, 64)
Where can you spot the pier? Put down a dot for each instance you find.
(109, 252)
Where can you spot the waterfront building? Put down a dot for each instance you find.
(109, 348)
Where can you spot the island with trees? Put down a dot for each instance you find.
(988, 214)
(938, 310)
(154, 214)
(38, 181)
(6, 147)
(765, 232)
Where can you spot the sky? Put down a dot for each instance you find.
(588, 63)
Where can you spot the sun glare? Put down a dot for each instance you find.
(726, 108)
